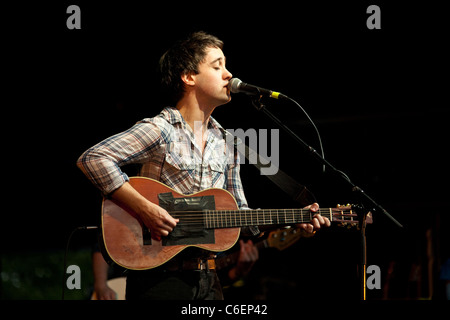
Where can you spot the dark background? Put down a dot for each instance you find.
(376, 96)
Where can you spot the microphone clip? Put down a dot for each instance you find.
(256, 102)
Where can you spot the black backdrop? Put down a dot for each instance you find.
(377, 97)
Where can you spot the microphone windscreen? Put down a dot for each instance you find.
(234, 85)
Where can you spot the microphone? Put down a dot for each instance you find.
(235, 85)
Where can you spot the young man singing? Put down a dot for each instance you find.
(180, 148)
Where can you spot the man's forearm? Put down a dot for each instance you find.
(158, 220)
(129, 196)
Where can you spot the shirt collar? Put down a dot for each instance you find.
(173, 116)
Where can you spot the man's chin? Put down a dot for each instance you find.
(224, 101)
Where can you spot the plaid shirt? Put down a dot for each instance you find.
(165, 147)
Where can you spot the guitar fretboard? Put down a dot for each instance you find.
(242, 218)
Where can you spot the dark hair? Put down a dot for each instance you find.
(183, 58)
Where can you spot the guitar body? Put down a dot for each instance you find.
(124, 232)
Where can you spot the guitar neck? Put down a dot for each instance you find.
(242, 218)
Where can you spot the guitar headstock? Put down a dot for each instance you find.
(346, 215)
(283, 238)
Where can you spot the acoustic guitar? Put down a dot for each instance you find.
(209, 220)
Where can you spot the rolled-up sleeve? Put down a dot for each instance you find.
(101, 163)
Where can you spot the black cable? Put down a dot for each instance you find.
(314, 126)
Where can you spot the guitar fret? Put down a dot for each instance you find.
(211, 219)
(227, 215)
(240, 219)
(217, 219)
(231, 218)
(232, 222)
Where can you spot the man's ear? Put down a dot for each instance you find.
(188, 79)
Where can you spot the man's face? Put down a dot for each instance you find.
(212, 80)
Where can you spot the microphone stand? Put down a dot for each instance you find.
(256, 101)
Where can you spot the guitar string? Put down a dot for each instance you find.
(225, 213)
(262, 211)
(182, 213)
(225, 216)
(231, 217)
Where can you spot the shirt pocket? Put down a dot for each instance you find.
(217, 173)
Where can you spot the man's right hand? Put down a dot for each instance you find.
(158, 221)
(155, 218)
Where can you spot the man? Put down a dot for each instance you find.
(181, 148)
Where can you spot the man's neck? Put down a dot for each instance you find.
(194, 113)
(197, 117)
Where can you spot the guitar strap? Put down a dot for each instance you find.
(290, 186)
